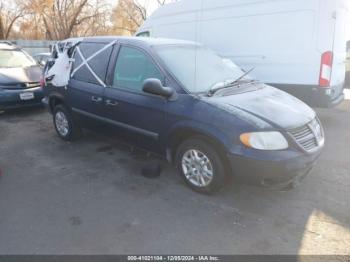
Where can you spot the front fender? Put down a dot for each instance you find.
(201, 129)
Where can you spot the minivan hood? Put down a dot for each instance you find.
(20, 75)
(270, 105)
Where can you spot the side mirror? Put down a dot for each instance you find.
(154, 86)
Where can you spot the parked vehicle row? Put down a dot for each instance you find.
(295, 45)
(180, 100)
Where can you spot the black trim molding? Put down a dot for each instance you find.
(141, 131)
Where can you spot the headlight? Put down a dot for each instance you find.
(264, 140)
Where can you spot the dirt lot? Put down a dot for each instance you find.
(89, 197)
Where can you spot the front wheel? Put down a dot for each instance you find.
(64, 124)
(200, 165)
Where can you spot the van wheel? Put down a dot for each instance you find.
(200, 165)
(64, 124)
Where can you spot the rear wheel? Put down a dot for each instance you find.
(200, 165)
(64, 124)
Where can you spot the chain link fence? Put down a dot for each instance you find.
(34, 46)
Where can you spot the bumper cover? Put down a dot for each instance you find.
(315, 96)
(10, 99)
(331, 97)
(287, 168)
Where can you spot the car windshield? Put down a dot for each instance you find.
(15, 58)
(198, 68)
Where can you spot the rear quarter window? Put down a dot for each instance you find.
(98, 64)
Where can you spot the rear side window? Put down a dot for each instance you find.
(133, 68)
(98, 64)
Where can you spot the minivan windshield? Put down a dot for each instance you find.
(14, 58)
(198, 68)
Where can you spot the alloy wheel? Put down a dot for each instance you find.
(197, 168)
(61, 123)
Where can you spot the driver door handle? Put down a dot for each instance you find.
(111, 103)
(96, 99)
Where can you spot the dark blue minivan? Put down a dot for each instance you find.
(182, 101)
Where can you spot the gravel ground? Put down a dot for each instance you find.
(89, 197)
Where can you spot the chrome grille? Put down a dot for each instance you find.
(309, 136)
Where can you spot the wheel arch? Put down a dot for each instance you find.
(177, 136)
(54, 100)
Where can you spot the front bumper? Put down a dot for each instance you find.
(272, 169)
(10, 99)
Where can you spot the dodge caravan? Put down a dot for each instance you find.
(180, 100)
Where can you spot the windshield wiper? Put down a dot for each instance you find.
(213, 90)
(241, 77)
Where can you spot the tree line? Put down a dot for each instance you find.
(61, 19)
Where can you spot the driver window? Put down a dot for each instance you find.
(133, 68)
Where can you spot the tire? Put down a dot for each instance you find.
(66, 128)
(198, 148)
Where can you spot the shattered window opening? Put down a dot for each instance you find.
(71, 54)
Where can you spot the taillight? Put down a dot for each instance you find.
(326, 69)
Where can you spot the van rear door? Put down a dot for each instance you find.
(332, 35)
(339, 47)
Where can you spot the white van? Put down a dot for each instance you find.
(296, 45)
